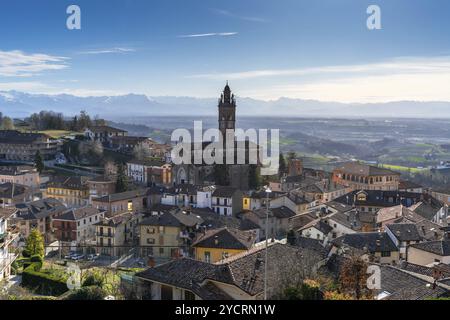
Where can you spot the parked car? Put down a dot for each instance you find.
(70, 255)
(92, 257)
(78, 257)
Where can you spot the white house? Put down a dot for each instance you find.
(6, 238)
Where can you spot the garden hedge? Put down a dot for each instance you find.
(42, 283)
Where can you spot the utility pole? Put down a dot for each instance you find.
(268, 191)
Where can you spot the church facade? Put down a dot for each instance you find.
(237, 175)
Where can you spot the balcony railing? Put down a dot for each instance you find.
(8, 260)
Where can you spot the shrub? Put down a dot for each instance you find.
(87, 293)
(93, 280)
(42, 282)
(37, 261)
(26, 253)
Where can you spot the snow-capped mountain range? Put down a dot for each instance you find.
(20, 104)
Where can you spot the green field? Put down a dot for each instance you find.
(403, 168)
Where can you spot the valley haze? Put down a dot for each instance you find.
(20, 104)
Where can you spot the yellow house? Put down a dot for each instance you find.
(218, 244)
(168, 235)
(72, 191)
(246, 202)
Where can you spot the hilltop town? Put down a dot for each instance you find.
(79, 194)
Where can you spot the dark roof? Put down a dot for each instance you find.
(72, 183)
(77, 214)
(407, 184)
(405, 231)
(425, 210)
(319, 224)
(350, 219)
(122, 196)
(244, 270)
(379, 198)
(171, 219)
(116, 220)
(441, 247)
(247, 268)
(282, 212)
(279, 213)
(400, 285)
(101, 129)
(147, 163)
(16, 137)
(299, 221)
(187, 274)
(297, 199)
(226, 238)
(16, 170)
(40, 209)
(188, 189)
(373, 241)
(443, 269)
(10, 190)
(310, 243)
(212, 220)
(224, 191)
(101, 179)
(364, 169)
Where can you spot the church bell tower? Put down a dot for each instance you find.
(227, 111)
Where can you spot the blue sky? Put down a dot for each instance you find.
(315, 49)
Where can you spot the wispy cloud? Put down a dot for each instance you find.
(19, 64)
(229, 14)
(394, 66)
(404, 78)
(108, 51)
(213, 34)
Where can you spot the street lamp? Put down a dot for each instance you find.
(268, 191)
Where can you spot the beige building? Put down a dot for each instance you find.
(24, 175)
(360, 176)
(38, 215)
(15, 145)
(116, 235)
(168, 235)
(72, 191)
(431, 252)
(129, 201)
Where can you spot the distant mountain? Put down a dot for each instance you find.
(20, 104)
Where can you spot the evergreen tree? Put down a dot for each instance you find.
(122, 182)
(35, 243)
(254, 180)
(282, 166)
(7, 123)
(221, 176)
(291, 238)
(39, 162)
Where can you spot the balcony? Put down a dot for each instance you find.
(7, 261)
